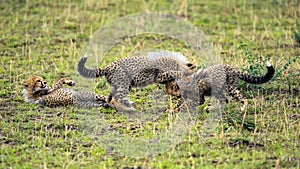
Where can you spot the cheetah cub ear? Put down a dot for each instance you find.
(25, 84)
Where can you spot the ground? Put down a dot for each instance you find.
(46, 38)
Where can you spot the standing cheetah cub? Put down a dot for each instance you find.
(159, 67)
(35, 90)
(214, 80)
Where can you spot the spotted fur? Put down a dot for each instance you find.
(217, 80)
(137, 71)
(35, 90)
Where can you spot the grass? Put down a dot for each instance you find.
(46, 38)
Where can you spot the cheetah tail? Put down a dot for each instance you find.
(258, 79)
(88, 73)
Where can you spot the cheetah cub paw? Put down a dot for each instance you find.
(68, 82)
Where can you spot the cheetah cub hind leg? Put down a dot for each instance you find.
(236, 95)
(89, 105)
(101, 98)
(119, 106)
(118, 95)
(127, 102)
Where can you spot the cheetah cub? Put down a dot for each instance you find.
(159, 67)
(35, 90)
(217, 80)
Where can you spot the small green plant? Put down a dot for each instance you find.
(290, 76)
(256, 64)
(285, 66)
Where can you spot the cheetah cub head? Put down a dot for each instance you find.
(33, 88)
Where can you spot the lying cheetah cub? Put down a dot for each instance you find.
(35, 90)
(138, 71)
(214, 80)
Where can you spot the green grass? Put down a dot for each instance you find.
(45, 38)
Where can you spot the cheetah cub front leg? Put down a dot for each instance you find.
(68, 82)
(59, 84)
